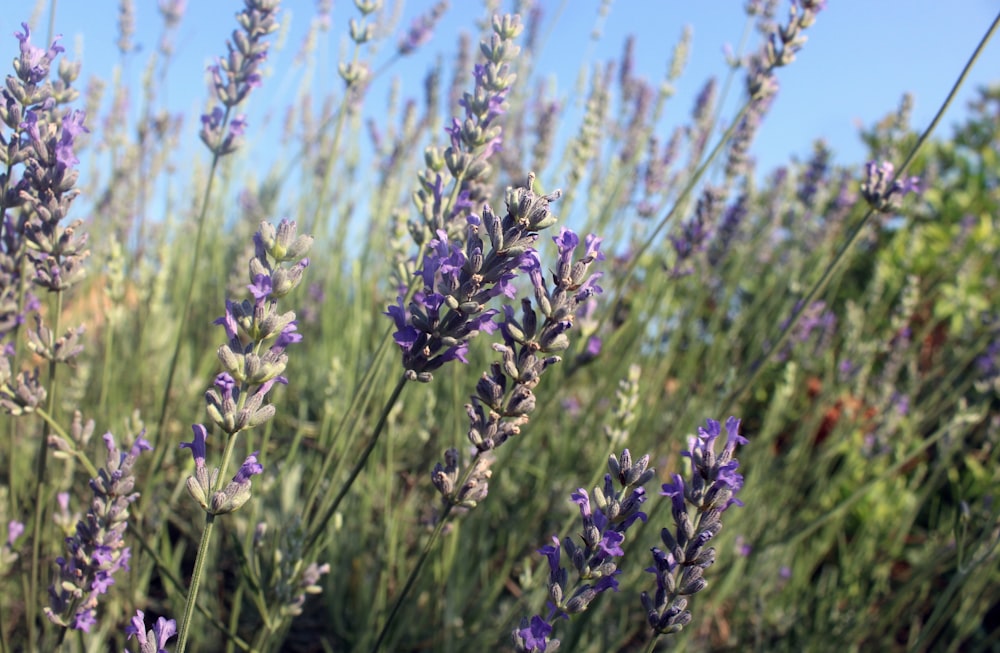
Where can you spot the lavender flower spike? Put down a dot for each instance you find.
(712, 488)
(876, 188)
(234, 76)
(155, 640)
(458, 282)
(605, 521)
(421, 30)
(237, 492)
(253, 358)
(97, 551)
(8, 552)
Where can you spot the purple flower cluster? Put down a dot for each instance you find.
(504, 398)
(96, 551)
(816, 173)
(595, 561)
(784, 41)
(880, 190)
(234, 76)
(234, 494)
(253, 360)
(695, 233)
(152, 641)
(8, 552)
(679, 567)
(422, 29)
(729, 228)
(41, 145)
(458, 282)
(474, 139)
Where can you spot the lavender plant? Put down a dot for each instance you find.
(97, 551)
(236, 403)
(713, 487)
(849, 323)
(595, 563)
(151, 641)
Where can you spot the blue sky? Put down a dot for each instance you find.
(862, 55)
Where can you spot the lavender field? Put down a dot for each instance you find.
(401, 341)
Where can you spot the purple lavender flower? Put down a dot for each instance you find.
(35, 246)
(458, 282)
(237, 492)
(504, 398)
(473, 139)
(533, 635)
(317, 297)
(422, 29)
(988, 363)
(605, 521)
(815, 174)
(711, 490)
(881, 191)
(254, 359)
(695, 233)
(14, 531)
(8, 552)
(729, 228)
(56, 252)
(816, 321)
(97, 550)
(234, 76)
(32, 67)
(155, 640)
(783, 42)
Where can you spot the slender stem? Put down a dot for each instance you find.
(3, 636)
(110, 326)
(199, 570)
(41, 462)
(234, 615)
(317, 525)
(414, 573)
(321, 202)
(358, 402)
(192, 277)
(165, 572)
(80, 456)
(206, 535)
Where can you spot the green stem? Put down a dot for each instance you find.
(199, 570)
(359, 400)
(415, 572)
(61, 432)
(185, 312)
(317, 526)
(41, 462)
(321, 202)
(165, 572)
(102, 400)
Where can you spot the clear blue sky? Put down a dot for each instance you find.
(862, 55)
